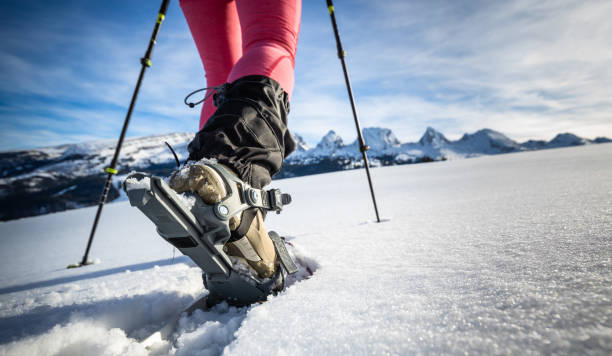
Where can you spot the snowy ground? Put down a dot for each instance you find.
(492, 255)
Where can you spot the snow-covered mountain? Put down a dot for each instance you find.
(433, 138)
(330, 142)
(379, 139)
(486, 141)
(44, 180)
(567, 139)
(331, 154)
(301, 144)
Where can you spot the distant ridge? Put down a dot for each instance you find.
(385, 149)
(40, 181)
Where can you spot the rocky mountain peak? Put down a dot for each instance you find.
(302, 146)
(488, 141)
(566, 139)
(330, 141)
(379, 138)
(432, 137)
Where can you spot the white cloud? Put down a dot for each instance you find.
(527, 68)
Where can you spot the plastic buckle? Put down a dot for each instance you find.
(278, 200)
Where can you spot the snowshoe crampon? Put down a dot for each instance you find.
(201, 230)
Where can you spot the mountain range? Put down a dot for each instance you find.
(44, 180)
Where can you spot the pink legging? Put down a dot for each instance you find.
(236, 38)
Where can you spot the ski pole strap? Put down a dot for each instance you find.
(271, 199)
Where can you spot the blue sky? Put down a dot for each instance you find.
(527, 68)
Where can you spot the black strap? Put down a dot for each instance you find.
(271, 199)
(283, 255)
(245, 222)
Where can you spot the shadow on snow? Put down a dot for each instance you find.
(96, 274)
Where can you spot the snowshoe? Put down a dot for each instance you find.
(200, 231)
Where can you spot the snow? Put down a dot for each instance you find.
(63, 191)
(187, 199)
(492, 255)
(134, 183)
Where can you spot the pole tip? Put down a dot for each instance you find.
(81, 264)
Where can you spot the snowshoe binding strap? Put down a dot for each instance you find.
(242, 196)
(283, 255)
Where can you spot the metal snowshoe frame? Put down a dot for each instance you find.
(201, 231)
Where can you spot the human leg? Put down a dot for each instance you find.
(248, 131)
(215, 29)
(270, 32)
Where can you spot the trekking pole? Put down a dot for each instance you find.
(112, 169)
(362, 146)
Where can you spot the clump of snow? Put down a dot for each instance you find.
(134, 183)
(306, 265)
(208, 333)
(188, 199)
(241, 265)
(77, 338)
(208, 160)
(183, 171)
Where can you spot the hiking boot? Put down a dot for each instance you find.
(252, 242)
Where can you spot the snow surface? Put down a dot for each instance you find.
(492, 255)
